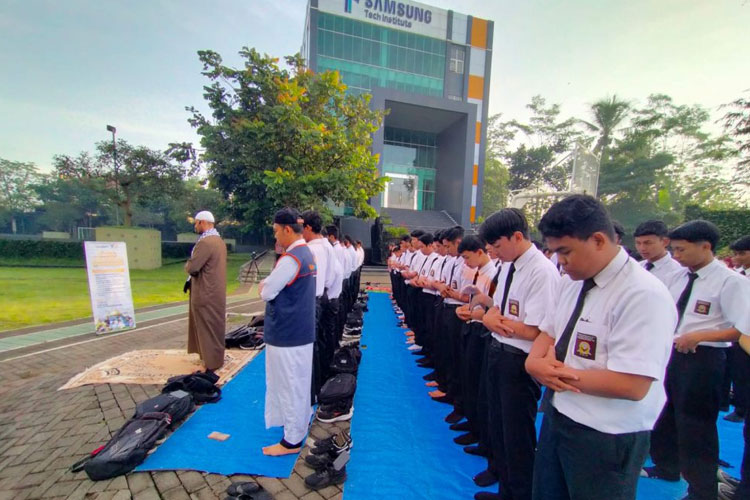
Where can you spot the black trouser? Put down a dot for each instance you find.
(452, 325)
(318, 347)
(743, 490)
(483, 403)
(329, 320)
(738, 362)
(444, 344)
(685, 439)
(513, 397)
(471, 373)
(428, 315)
(412, 311)
(576, 462)
(424, 308)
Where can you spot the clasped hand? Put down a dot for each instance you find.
(554, 374)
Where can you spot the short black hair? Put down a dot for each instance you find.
(619, 229)
(288, 216)
(578, 216)
(453, 233)
(359, 242)
(349, 239)
(651, 227)
(740, 245)
(439, 235)
(312, 219)
(471, 243)
(427, 239)
(406, 237)
(332, 230)
(504, 222)
(417, 233)
(695, 231)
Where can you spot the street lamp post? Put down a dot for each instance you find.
(112, 129)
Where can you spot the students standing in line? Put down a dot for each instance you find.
(601, 352)
(712, 306)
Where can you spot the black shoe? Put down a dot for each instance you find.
(325, 477)
(654, 472)
(734, 417)
(466, 439)
(444, 399)
(425, 365)
(430, 376)
(486, 495)
(477, 450)
(461, 426)
(485, 478)
(454, 417)
(320, 462)
(424, 359)
(337, 444)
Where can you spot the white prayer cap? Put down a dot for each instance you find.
(205, 215)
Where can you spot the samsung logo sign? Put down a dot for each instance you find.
(392, 12)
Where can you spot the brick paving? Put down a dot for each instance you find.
(44, 431)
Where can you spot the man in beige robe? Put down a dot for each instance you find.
(207, 270)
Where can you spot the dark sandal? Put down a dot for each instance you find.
(243, 488)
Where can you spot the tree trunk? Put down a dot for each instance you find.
(13, 226)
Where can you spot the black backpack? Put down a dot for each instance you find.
(338, 388)
(177, 404)
(201, 386)
(354, 319)
(345, 360)
(244, 337)
(128, 447)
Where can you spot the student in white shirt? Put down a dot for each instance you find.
(651, 242)
(416, 260)
(424, 301)
(712, 306)
(432, 299)
(741, 255)
(524, 293)
(601, 352)
(332, 233)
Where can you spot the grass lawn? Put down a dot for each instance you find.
(34, 295)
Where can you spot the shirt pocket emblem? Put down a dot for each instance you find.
(702, 307)
(514, 307)
(585, 346)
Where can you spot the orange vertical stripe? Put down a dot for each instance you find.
(475, 178)
(476, 87)
(478, 137)
(472, 214)
(479, 33)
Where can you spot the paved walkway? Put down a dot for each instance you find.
(43, 431)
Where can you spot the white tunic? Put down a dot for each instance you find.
(288, 383)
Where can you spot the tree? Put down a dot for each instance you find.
(67, 203)
(286, 137)
(495, 188)
(16, 189)
(736, 122)
(140, 173)
(608, 114)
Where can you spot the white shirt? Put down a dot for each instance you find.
(531, 292)
(283, 273)
(625, 326)
(416, 263)
(332, 275)
(720, 299)
(360, 256)
(484, 280)
(664, 268)
(424, 271)
(433, 272)
(452, 272)
(352, 256)
(321, 262)
(341, 253)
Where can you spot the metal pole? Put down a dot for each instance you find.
(117, 174)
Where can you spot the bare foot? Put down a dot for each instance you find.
(276, 450)
(409, 333)
(436, 394)
(432, 384)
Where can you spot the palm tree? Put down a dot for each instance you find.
(608, 114)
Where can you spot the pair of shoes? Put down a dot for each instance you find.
(444, 399)
(653, 472)
(734, 417)
(727, 492)
(461, 426)
(466, 439)
(485, 478)
(337, 443)
(336, 412)
(325, 477)
(725, 478)
(247, 490)
(487, 495)
(454, 417)
(477, 450)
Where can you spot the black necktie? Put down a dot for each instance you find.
(743, 272)
(685, 296)
(508, 281)
(649, 266)
(493, 285)
(561, 348)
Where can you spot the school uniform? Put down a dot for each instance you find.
(321, 261)
(330, 276)
(423, 302)
(664, 268)
(430, 298)
(743, 490)
(524, 293)
(685, 438)
(454, 327)
(410, 293)
(448, 335)
(592, 447)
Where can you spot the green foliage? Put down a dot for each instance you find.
(178, 249)
(736, 122)
(608, 114)
(495, 189)
(16, 189)
(732, 224)
(394, 232)
(279, 137)
(41, 248)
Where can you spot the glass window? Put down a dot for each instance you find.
(456, 63)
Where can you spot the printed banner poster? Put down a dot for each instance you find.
(109, 286)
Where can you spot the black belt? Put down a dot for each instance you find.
(454, 306)
(509, 348)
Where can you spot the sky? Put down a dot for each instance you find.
(69, 68)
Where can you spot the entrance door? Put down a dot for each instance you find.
(401, 191)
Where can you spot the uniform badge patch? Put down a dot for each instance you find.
(585, 346)
(432, 273)
(454, 284)
(702, 307)
(513, 307)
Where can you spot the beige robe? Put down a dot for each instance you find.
(208, 300)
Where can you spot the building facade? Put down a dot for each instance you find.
(431, 69)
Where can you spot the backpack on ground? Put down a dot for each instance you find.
(177, 404)
(128, 447)
(244, 337)
(345, 360)
(338, 388)
(201, 386)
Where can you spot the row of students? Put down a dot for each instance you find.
(623, 349)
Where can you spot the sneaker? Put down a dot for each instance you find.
(727, 492)
(337, 443)
(654, 472)
(325, 477)
(335, 413)
(320, 462)
(351, 335)
(414, 347)
(725, 478)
